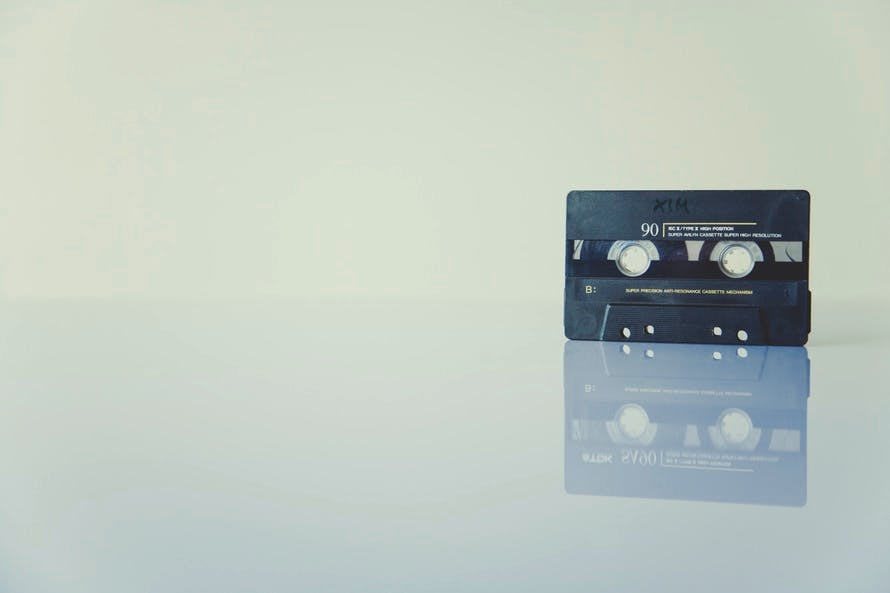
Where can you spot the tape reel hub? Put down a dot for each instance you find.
(633, 260)
(736, 260)
(632, 421)
(735, 426)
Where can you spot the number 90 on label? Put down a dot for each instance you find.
(650, 229)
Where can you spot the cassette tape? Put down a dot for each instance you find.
(709, 267)
(687, 421)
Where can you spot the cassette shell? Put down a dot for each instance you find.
(720, 267)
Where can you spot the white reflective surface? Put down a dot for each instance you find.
(394, 447)
(677, 421)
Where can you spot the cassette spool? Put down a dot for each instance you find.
(715, 267)
(687, 421)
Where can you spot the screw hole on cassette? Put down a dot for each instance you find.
(650, 329)
(625, 332)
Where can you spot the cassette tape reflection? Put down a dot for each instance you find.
(713, 267)
(687, 421)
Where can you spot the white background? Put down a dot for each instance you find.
(238, 149)
(374, 194)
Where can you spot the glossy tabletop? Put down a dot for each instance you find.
(423, 446)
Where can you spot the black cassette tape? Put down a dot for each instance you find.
(713, 267)
(687, 421)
